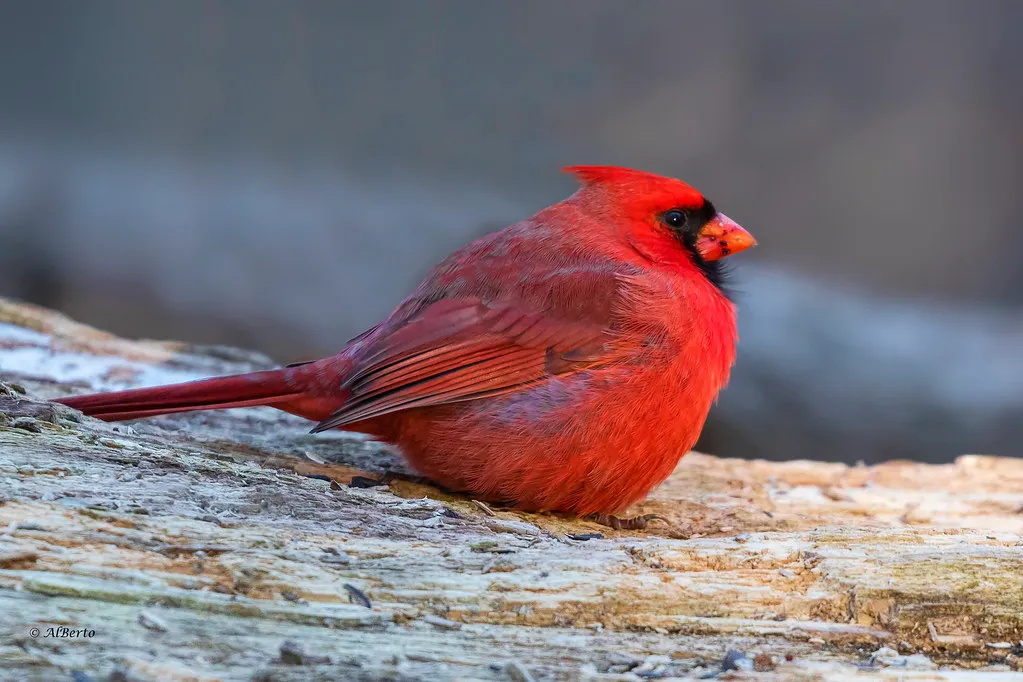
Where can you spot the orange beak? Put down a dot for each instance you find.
(721, 237)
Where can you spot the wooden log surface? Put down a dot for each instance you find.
(233, 546)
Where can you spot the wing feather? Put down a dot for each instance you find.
(462, 349)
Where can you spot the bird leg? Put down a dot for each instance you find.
(631, 523)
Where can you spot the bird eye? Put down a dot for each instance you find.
(675, 219)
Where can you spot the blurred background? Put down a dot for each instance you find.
(279, 175)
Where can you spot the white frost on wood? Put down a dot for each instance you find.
(77, 367)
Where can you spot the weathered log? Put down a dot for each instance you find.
(233, 545)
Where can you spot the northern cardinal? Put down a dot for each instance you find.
(564, 363)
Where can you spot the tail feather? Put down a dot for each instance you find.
(239, 390)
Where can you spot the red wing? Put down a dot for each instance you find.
(461, 349)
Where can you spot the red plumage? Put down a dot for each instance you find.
(564, 363)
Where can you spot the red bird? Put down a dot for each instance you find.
(565, 363)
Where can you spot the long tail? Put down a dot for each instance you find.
(239, 390)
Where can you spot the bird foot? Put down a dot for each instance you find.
(631, 523)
